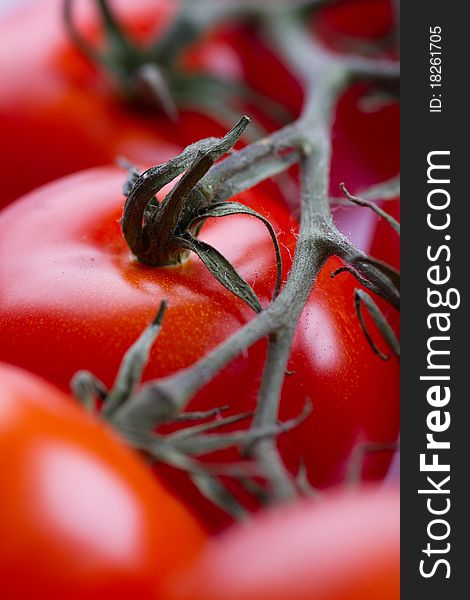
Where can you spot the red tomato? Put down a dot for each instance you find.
(72, 297)
(80, 516)
(346, 547)
(57, 106)
(344, 24)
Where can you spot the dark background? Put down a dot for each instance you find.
(422, 132)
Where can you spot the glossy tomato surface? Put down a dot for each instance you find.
(80, 515)
(73, 297)
(343, 547)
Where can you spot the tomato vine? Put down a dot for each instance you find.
(306, 142)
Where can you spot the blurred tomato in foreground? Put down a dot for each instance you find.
(344, 547)
(80, 517)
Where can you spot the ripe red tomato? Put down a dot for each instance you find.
(55, 104)
(346, 547)
(343, 25)
(74, 298)
(80, 516)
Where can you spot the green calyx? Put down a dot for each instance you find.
(151, 77)
(163, 234)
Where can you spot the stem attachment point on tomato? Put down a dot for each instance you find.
(137, 77)
(163, 234)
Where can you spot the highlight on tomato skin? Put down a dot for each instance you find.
(80, 515)
(343, 546)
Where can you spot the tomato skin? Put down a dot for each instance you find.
(72, 297)
(72, 229)
(80, 516)
(343, 547)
